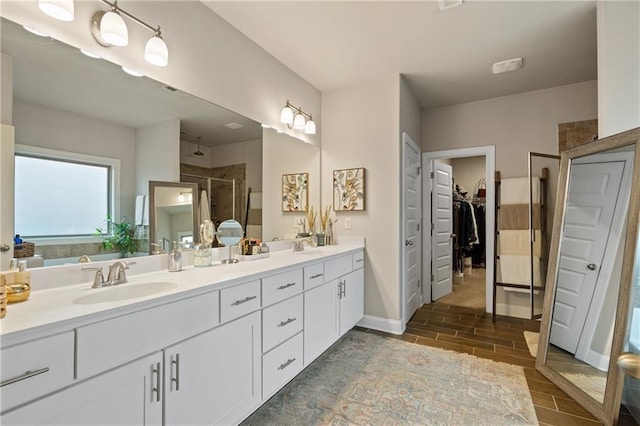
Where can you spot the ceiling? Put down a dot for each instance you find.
(51, 73)
(446, 55)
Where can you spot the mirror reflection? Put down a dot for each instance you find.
(65, 103)
(589, 268)
(173, 214)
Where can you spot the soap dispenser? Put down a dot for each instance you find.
(175, 258)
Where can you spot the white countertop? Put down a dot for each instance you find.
(59, 309)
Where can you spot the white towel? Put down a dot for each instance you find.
(516, 241)
(139, 209)
(145, 215)
(515, 269)
(516, 190)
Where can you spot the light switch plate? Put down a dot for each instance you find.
(347, 223)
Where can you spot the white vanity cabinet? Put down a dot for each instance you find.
(128, 395)
(333, 308)
(214, 378)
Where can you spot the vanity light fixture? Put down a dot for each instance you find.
(198, 152)
(110, 29)
(61, 10)
(296, 118)
(182, 198)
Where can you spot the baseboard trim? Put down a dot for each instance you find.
(382, 324)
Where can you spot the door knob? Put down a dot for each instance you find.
(452, 236)
(5, 247)
(408, 243)
(629, 363)
(591, 266)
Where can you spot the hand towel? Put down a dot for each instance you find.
(518, 242)
(516, 216)
(516, 190)
(145, 214)
(139, 209)
(516, 269)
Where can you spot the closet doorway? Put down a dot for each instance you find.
(472, 244)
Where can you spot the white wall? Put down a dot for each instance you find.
(361, 129)
(515, 124)
(282, 154)
(6, 89)
(618, 66)
(467, 171)
(249, 152)
(410, 113)
(157, 154)
(52, 128)
(207, 56)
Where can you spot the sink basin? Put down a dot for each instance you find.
(123, 292)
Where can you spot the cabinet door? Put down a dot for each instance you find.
(352, 300)
(215, 377)
(128, 395)
(320, 319)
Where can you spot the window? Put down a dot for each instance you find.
(61, 195)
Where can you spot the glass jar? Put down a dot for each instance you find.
(202, 255)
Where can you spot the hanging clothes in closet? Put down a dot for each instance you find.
(465, 229)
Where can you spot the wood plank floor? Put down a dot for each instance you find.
(472, 331)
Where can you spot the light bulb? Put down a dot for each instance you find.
(299, 122)
(181, 197)
(58, 9)
(156, 51)
(113, 29)
(286, 116)
(310, 127)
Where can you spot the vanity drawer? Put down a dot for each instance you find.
(34, 369)
(281, 365)
(313, 275)
(281, 321)
(358, 260)
(338, 267)
(279, 287)
(108, 344)
(239, 300)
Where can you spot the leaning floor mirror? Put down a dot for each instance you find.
(590, 274)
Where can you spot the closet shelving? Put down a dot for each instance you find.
(540, 225)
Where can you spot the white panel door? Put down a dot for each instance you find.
(592, 196)
(412, 205)
(441, 241)
(6, 195)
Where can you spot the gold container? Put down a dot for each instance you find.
(18, 292)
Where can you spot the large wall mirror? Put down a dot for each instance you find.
(68, 102)
(590, 275)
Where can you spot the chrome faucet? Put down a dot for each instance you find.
(117, 273)
(298, 244)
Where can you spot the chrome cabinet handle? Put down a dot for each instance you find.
(286, 364)
(316, 276)
(245, 300)
(176, 362)
(344, 289)
(27, 374)
(287, 285)
(591, 266)
(288, 321)
(155, 370)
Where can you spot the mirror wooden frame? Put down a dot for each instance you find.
(153, 184)
(608, 411)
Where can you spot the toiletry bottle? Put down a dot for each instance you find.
(20, 289)
(175, 258)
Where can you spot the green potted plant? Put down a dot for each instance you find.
(120, 237)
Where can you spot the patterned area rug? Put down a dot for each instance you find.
(372, 380)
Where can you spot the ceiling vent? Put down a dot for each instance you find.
(506, 66)
(234, 126)
(448, 4)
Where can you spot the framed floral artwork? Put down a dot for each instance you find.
(295, 192)
(348, 190)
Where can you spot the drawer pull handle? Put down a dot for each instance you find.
(245, 300)
(155, 370)
(27, 374)
(316, 276)
(286, 364)
(176, 362)
(288, 321)
(287, 285)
